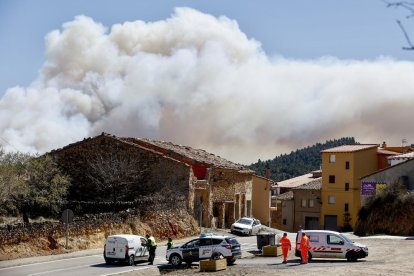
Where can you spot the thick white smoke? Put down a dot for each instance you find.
(197, 80)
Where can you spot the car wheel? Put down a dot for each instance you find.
(175, 260)
(350, 257)
(250, 232)
(131, 260)
(108, 261)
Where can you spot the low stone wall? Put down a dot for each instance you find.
(161, 224)
(87, 224)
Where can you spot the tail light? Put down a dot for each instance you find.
(228, 246)
(126, 250)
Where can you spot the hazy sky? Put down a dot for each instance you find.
(242, 79)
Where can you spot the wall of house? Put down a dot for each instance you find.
(361, 163)
(288, 215)
(403, 173)
(232, 189)
(261, 196)
(156, 173)
(302, 212)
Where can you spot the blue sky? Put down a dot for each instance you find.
(299, 29)
(289, 74)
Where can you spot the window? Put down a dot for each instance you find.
(217, 241)
(205, 242)
(311, 203)
(346, 208)
(332, 179)
(331, 239)
(193, 244)
(331, 199)
(284, 221)
(332, 158)
(304, 202)
(347, 165)
(346, 186)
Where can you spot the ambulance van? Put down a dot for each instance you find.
(330, 244)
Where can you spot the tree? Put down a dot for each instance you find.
(409, 6)
(31, 185)
(115, 174)
(13, 176)
(46, 186)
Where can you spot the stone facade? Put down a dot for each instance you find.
(213, 186)
(156, 172)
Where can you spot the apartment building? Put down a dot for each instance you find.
(342, 170)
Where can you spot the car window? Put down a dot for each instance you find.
(232, 241)
(143, 241)
(205, 242)
(193, 243)
(314, 238)
(217, 241)
(245, 221)
(332, 239)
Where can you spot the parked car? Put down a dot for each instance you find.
(246, 226)
(125, 248)
(331, 244)
(206, 247)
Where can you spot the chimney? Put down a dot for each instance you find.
(384, 145)
(316, 174)
(267, 173)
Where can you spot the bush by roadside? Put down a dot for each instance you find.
(389, 212)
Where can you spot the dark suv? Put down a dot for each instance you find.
(208, 247)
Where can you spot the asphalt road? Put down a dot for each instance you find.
(93, 263)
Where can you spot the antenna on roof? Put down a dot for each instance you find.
(403, 142)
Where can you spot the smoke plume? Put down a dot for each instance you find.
(197, 80)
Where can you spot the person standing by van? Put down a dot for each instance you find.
(304, 248)
(286, 246)
(152, 245)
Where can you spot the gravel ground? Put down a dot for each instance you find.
(387, 256)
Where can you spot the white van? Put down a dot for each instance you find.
(331, 244)
(128, 248)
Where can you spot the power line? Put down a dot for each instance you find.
(8, 143)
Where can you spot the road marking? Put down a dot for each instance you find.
(62, 269)
(124, 271)
(47, 262)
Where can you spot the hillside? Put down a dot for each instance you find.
(298, 162)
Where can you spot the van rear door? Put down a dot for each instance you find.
(115, 247)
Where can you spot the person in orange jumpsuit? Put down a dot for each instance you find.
(286, 246)
(304, 248)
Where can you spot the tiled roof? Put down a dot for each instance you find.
(387, 152)
(350, 148)
(198, 155)
(313, 185)
(296, 181)
(285, 196)
(402, 156)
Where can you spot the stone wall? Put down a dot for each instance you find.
(226, 183)
(48, 237)
(156, 173)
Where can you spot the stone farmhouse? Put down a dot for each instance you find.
(216, 191)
